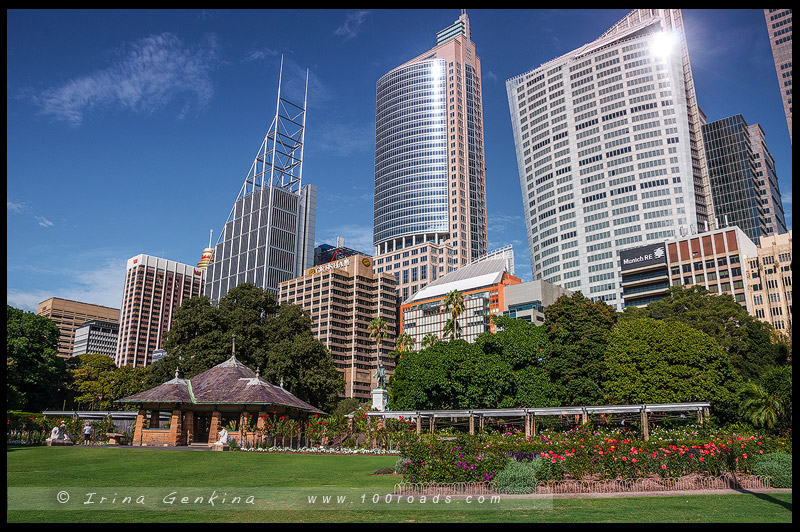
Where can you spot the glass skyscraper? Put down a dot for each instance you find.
(430, 183)
(610, 152)
(744, 185)
(779, 26)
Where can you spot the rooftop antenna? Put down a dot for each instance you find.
(210, 236)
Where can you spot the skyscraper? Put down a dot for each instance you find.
(154, 289)
(779, 26)
(269, 235)
(744, 185)
(430, 182)
(609, 151)
(69, 316)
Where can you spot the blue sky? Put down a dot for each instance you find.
(132, 131)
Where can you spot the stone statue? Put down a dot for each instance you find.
(58, 436)
(223, 437)
(380, 375)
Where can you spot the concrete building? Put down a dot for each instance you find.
(70, 315)
(430, 182)
(269, 235)
(779, 26)
(482, 285)
(96, 336)
(769, 277)
(343, 296)
(768, 189)
(609, 152)
(527, 301)
(715, 260)
(154, 289)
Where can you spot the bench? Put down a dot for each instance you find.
(115, 438)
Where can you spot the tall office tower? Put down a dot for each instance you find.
(430, 182)
(343, 296)
(769, 275)
(269, 235)
(154, 289)
(735, 186)
(96, 336)
(768, 189)
(610, 152)
(70, 315)
(779, 25)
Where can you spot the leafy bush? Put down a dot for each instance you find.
(518, 477)
(775, 465)
(463, 459)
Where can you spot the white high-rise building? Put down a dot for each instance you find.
(610, 152)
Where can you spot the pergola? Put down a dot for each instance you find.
(529, 416)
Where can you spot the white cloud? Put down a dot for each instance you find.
(13, 207)
(99, 286)
(44, 222)
(352, 25)
(149, 73)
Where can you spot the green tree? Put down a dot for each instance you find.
(746, 339)
(428, 340)
(577, 332)
(453, 374)
(652, 361)
(378, 330)
(35, 374)
(454, 304)
(405, 343)
(762, 409)
(777, 381)
(91, 385)
(275, 338)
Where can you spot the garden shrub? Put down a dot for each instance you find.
(463, 459)
(775, 465)
(517, 477)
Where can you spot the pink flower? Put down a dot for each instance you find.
(663, 466)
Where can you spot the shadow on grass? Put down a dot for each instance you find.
(766, 497)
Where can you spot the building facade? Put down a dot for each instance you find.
(527, 301)
(269, 235)
(69, 315)
(767, 177)
(744, 185)
(779, 26)
(430, 175)
(482, 286)
(343, 296)
(154, 289)
(610, 152)
(769, 276)
(96, 336)
(716, 260)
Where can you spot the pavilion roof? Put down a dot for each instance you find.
(230, 382)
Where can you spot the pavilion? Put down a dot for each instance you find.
(203, 405)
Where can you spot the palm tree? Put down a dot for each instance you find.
(378, 330)
(405, 343)
(454, 304)
(428, 340)
(760, 408)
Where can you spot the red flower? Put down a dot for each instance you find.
(663, 466)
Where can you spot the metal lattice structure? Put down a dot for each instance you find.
(268, 236)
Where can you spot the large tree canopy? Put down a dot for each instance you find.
(577, 329)
(275, 338)
(746, 339)
(34, 371)
(652, 361)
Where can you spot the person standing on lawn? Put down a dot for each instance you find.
(87, 433)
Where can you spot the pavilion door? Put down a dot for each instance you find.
(202, 424)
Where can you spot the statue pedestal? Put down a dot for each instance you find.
(380, 398)
(219, 446)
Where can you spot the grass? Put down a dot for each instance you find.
(282, 483)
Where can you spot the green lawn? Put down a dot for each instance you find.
(291, 487)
